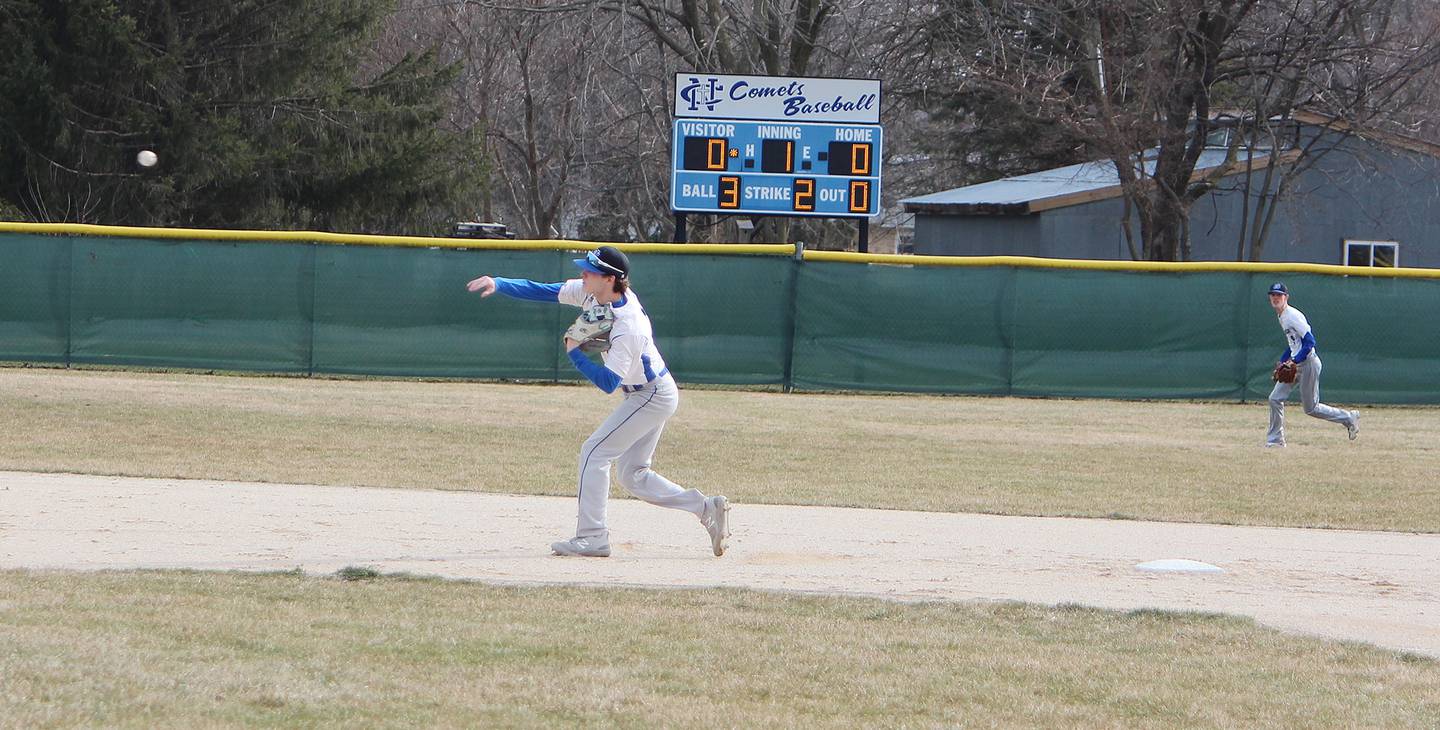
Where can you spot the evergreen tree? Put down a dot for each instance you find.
(259, 111)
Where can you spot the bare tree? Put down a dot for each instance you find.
(1369, 74)
(722, 36)
(537, 88)
(649, 41)
(728, 36)
(1139, 82)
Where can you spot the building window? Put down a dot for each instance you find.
(1218, 138)
(1372, 253)
(1275, 134)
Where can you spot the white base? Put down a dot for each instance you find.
(1177, 565)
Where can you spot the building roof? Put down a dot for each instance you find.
(1058, 188)
(1405, 142)
(1092, 181)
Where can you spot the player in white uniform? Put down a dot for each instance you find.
(629, 436)
(1300, 347)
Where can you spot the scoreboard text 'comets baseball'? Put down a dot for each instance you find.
(776, 168)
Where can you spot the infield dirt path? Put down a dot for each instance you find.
(1377, 587)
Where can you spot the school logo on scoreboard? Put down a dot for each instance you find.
(777, 98)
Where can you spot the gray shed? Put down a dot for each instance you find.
(1366, 201)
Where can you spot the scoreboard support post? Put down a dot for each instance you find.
(862, 226)
(680, 232)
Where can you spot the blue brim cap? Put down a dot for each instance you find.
(592, 268)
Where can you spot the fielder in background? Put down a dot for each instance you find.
(1300, 350)
(634, 365)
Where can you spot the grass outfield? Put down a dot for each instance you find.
(183, 649)
(1192, 462)
(179, 649)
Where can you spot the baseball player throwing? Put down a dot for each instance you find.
(628, 437)
(1300, 349)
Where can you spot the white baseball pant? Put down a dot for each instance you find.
(1309, 384)
(628, 438)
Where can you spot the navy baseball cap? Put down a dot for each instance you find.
(1278, 288)
(606, 261)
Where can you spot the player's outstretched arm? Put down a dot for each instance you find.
(515, 288)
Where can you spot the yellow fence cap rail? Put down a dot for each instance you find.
(358, 239)
(762, 249)
(1092, 265)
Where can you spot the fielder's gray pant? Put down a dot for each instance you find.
(628, 438)
(1309, 384)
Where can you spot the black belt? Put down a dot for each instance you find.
(633, 388)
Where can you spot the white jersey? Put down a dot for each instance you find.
(632, 354)
(1296, 327)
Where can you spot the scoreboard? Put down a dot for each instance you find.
(776, 168)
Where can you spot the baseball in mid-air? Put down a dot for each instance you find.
(146, 158)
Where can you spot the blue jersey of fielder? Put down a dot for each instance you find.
(632, 360)
(1299, 342)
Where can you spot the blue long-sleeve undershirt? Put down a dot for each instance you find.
(604, 378)
(529, 290)
(1307, 343)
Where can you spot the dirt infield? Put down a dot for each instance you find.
(1377, 587)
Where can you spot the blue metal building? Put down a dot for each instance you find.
(1366, 200)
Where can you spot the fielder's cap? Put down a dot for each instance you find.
(1278, 288)
(606, 261)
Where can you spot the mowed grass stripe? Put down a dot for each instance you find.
(1192, 462)
(181, 649)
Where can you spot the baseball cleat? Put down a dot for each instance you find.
(582, 547)
(717, 522)
(1353, 427)
(1275, 444)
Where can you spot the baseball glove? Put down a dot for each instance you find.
(592, 328)
(1285, 372)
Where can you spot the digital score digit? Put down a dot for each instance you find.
(850, 158)
(729, 197)
(859, 196)
(707, 153)
(777, 155)
(802, 194)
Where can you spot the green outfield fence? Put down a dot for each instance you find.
(301, 302)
